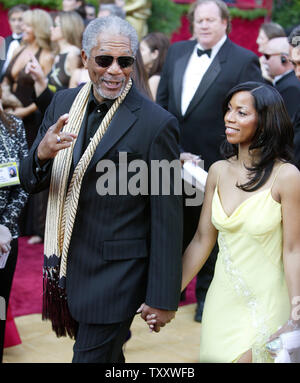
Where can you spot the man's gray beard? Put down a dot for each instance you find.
(108, 97)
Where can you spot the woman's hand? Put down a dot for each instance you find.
(34, 68)
(289, 326)
(151, 322)
(5, 239)
(194, 158)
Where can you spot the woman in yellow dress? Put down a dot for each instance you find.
(252, 206)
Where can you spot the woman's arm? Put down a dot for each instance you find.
(288, 186)
(25, 111)
(35, 70)
(205, 237)
(290, 202)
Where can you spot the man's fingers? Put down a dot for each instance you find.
(63, 137)
(61, 122)
(140, 309)
(64, 145)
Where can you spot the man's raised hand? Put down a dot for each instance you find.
(55, 140)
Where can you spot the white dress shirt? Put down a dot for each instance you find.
(277, 78)
(195, 70)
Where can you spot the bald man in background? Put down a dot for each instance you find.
(281, 70)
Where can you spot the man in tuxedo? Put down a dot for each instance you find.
(124, 248)
(196, 77)
(15, 19)
(281, 71)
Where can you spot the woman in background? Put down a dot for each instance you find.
(13, 148)
(140, 76)
(66, 33)
(36, 42)
(154, 49)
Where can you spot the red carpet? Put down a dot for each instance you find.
(27, 288)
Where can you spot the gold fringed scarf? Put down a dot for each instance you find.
(61, 212)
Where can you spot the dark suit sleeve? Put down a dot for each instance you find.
(162, 97)
(165, 263)
(30, 179)
(44, 100)
(289, 95)
(251, 70)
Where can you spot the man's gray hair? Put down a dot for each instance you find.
(109, 24)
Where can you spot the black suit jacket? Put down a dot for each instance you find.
(289, 88)
(202, 126)
(125, 249)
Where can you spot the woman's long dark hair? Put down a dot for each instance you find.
(273, 137)
(159, 41)
(140, 77)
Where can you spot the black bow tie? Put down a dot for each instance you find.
(201, 52)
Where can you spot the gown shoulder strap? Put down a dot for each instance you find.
(276, 174)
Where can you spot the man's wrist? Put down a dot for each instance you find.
(41, 166)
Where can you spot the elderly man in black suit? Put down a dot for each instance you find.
(107, 249)
(196, 77)
(281, 71)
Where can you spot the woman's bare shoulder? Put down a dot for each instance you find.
(219, 166)
(216, 170)
(288, 179)
(288, 172)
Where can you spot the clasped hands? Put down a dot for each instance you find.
(155, 318)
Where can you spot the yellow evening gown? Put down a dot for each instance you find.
(248, 298)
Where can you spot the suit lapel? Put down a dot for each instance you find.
(210, 76)
(179, 70)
